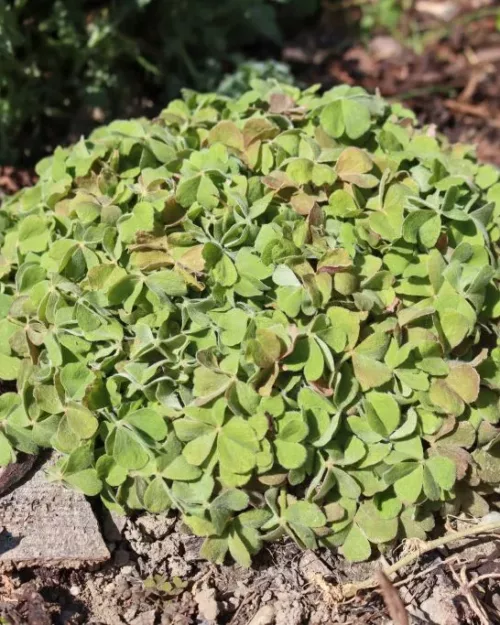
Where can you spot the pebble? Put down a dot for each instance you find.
(264, 616)
(207, 604)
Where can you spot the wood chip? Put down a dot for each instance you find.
(392, 600)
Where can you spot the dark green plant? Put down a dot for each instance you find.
(236, 83)
(67, 64)
(276, 314)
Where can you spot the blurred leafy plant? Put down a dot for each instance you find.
(68, 64)
(238, 82)
(276, 314)
(383, 14)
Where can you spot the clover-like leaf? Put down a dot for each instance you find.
(345, 116)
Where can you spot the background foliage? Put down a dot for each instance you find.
(63, 61)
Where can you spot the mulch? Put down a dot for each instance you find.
(443, 61)
(448, 72)
(13, 178)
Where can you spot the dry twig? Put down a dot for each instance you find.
(425, 572)
(465, 590)
(473, 110)
(347, 591)
(392, 600)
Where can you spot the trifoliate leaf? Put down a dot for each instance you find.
(76, 378)
(374, 527)
(128, 451)
(345, 116)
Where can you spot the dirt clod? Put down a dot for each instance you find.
(146, 618)
(207, 604)
(265, 616)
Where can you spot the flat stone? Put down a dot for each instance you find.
(439, 608)
(45, 524)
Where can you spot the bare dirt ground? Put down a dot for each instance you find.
(448, 586)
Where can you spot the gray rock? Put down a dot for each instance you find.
(45, 524)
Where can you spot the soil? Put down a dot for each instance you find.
(452, 82)
(13, 178)
(285, 586)
(446, 71)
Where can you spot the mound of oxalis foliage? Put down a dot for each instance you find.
(275, 314)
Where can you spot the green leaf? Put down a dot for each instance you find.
(233, 324)
(156, 497)
(127, 451)
(237, 446)
(238, 550)
(304, 513)
(460, 387)
(141, 219)
(375, 528)
(34, 234)
(347, 485)
(199, 526)
(76, 378)
(455, 326)
(9, 367)
(6, 452)
(214, 549)
(356, 547)
(443, 471)
(148, 421)
(85, 481)
(209, 384)
(409, 487)
(224, 272)
(345, 116)
(385, 416)
(167, 282)
(81, 420)
(369, 372)
(290, 455)
(227, 133)
(180, 469)
(315, 364)
(387, 504)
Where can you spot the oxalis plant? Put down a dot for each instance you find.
(276, 314)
